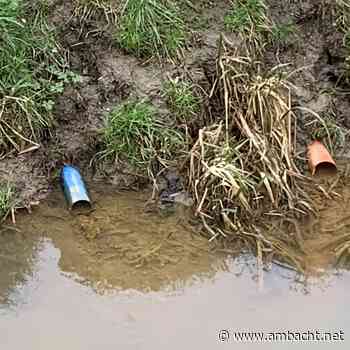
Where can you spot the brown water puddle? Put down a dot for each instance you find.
(123, 242)
(125, 277)
(50, 309)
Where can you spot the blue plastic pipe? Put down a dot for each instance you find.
(74, 187)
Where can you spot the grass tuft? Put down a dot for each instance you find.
(182, 100)
(7, 194)
(249, 18)
(133, 132)
(32, 74)
(327, 130)
(150, 28)
(282, 33)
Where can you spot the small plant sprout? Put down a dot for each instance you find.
(326, 129)
(7, 193)
(281, 33)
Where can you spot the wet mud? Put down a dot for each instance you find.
(328, 231)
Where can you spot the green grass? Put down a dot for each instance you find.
(247, 17)
(181, 99)
(7, 194)
(281, 33)
(32, 74)
(150, 28)
(250, 19)
(327, 130)
(133, 132)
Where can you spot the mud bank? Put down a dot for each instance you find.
(109, 76)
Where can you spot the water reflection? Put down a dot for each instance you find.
(54, 267)
(17, 258)
(55, 311)
(120, 244)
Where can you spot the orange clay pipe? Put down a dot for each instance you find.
(319, 156)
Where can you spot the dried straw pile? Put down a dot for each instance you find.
(242, 171)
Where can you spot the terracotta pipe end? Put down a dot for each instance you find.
(319, 158)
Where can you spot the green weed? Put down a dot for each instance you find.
(32, 73)
(7, 194)
(181, 99)
(150, 28)
(133, 132)
(281, 33)
(326, 129)
(248, 17)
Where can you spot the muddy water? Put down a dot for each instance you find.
(128, 276)
(125, 241)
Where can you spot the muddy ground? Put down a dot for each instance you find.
(109, 76)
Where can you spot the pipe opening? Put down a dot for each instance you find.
(325, 169)
(82, 205)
